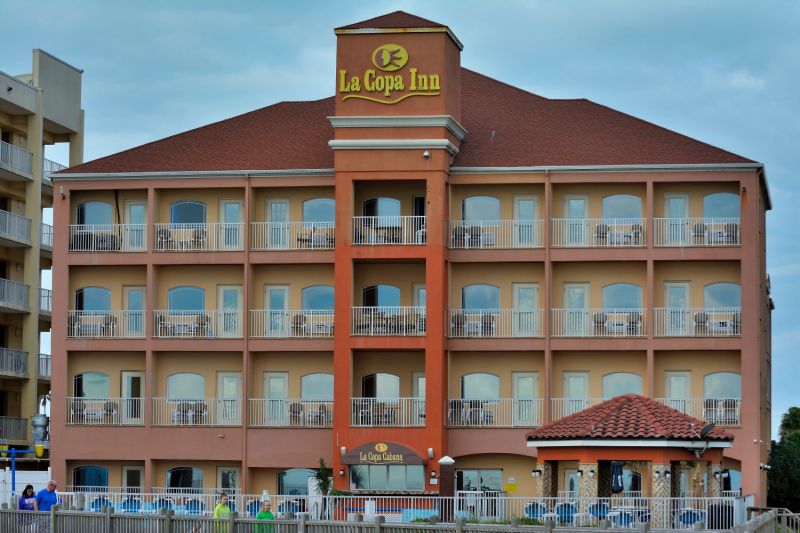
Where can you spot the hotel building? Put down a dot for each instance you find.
(430, 263)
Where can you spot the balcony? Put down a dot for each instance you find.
(14, 296)
(105, 324)
(45, 302)
(494, 413)
(105, 411)
(208, 412)
(495, 323)
(108, 238)
(395, 230)
(561, 407)
(697, 232)
(698, 322)
(387, 412)
(200, 324)
(599, 323)
(13, 361)
(15, 230)
(48, 166)
(43, 369)
(205, 237)
(269, 236)
(290, 413)
(480, 234)
(599, 232)
(291, 324)
(46, 239)
(725, 412)
(13, 428)
(16, 164)
(402, 321)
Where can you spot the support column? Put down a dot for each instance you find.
(660, 518)
(651, 329)
(548, 359)
(547, 483)
(604, 479)
(714, 483)
(587, 486)
(675, 481)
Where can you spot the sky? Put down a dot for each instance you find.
(726, 73)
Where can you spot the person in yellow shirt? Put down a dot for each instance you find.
(222, 511)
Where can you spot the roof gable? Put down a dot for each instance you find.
(398, 19)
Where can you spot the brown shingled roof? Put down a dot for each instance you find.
(398, 19)
(627, 417)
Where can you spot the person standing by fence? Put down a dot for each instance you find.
(222, 511)
(265, 513)
(25, 503)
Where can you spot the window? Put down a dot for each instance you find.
(479, 480)
(185, 477)
(480, 386)
(631, 480)
(91, 385)
(186, 385)
(719, 295)
(381, 207)
(92, 299)
(722, 385)
(480, 297)
(721, 205)
(621, 383)
(622, 296)
(380, 386)
(316, 387)
(187, 299)
(187, 212)
(380, 296)
(294, 482)
(480, 208)
(622, 206)
(318, 297)
(90, 476)
(387, 477)
(94, 213)
(319, 210)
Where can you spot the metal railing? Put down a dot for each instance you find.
(205, 324)
(46, 238)
(45, 300)
(389, 230)
(105, 411)
(16, 157)
(697, 231)
(292, 235)
(48, 166)
(402, 321)
(15, 226)
(599, 322)
(43, 368)
(264, 412)
(13, 361)
(291, 323)
(15, 293)
(469, 234)
(698, 322)
(197, 412)
(13, 428)
(497, 323)
(387, 412)
(599, 232)
(106, 324)
(494, 413)
(201, 237)
(561, 407)
(717, 411)
(108, 238)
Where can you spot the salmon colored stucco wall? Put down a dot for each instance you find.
(598, 364)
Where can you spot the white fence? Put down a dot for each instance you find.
(469, 234)
(106, 324)
(561, 407)
(697, 231)
(389, 230)
(108, 238)
(198, 324)
(197, 411)
(403, 321)
(15, 293)
(381, 412)
(495, 323)
(44, 365)
(13, 361)
(49, 166)
(599, 232)
(105, 411)
(39, 480)
(200, 237)
(13, 428)
(599, 322)
(717, 411)
(503, 412)
(45, 300)
(698, 322)
(292, 235)
(16, 157)
(46, 231)
(15, 226)
(264, 412)
(291, 323)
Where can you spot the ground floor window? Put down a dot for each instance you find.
(387, 477)
(185, 477)
(479, 480)
(294, 482)
(90, 476)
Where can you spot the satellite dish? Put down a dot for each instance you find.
(706, 430)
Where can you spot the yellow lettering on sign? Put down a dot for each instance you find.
(398, 83)
(379, 83)
(389, 85)
(422, 80)
(434, 82)
(355, 84)
(367, 85)
(342, 79)
(413, 79)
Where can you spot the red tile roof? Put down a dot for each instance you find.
(398, 19)
(627, 417)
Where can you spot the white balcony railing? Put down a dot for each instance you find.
(108, 238)
(197, 411)
(561, 407)
(15, 226)
(697, 232)
(599, 322)
(199, 324)
(389, 230)
(15, 293)
(105, 411)
(599, 232)
(106, 324)
(13, 428)
(43, 369)
(698, 322)
(379, 412)
(13, 361)
(469, 234)
(293, 324)
(46, 231)
(497, 413)
(495, 323)
(290, 413)
(45, 300)
(717, 411)
(403, 321)
(205, 237)
(48, 166)
(16, 157)
(292, 235)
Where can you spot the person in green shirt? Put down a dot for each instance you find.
(265, 514)
(222, 511)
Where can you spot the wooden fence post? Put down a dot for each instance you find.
(303, 518)
(232, 516)
(108, 512)
(53, 514)
(433, 520)
(379, 519)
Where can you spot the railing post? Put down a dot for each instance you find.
(53, 517)
(644, 527)
(549, 525)
(168, 514)
(433, 520)
(80, 501)
(379, 520)
(515, 521)
(303, 518)
(107, 510)
(699, 526)
(232, 516)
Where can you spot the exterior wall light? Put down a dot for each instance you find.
(433, 473)
(667, 474)
(536, 473)
(344, 451)
(725, 474)
(716, 475)
(656, 474)
(591, 474)
(341, 472)
(430, 453)
(580, 473)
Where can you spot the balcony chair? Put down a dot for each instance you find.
(475, 236)
(198, 239)
(599, 323)
(420, 324)
(601, 232)
(420, 233)
(699, 231)
(736, 323)
(78, 411)
(634, 325)
(325, 416)
(456, 413)
(110, 412)
(637, 231)
(165, 239)
(73, 326)
(700, 323)
(203, 327)
(109, 326)
(731, 233)
(163, 328)
(459, 237)
(296, 414)
(298, 325)
(487, 326)
(458, 326)
(199, 412)
(475, 413)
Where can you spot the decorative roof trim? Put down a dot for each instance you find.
(622, 443)
(194, 174)
(437, 29)
(432, 121)
(610, 168)
(394, 144)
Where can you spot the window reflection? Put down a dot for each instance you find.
(319, 210)
(380, 296)
(480, 208)
(721, 205)
(719, 295)
(622, 206)
(187, 212)
(480, 386)
(186, 385)
(722, 385)
(185, 477)
(621, 383)
(622, 296)
(381, 207)
(318, 297)
(294, 482)
(92, 299)
(187, 299)
(387, 477)
(93, 213)
(380, 386)
(90, 476)
(316, 387)
(480, 296)
(91, 385)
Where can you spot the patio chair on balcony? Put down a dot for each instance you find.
(599, 321)
(73, 326)
(203, 328)
(298, 325)
(634, 326)
(474, 236)
(165, 239)
(475, 413)
(731, 233)
(458, 326)
(455, 414)
(109, 326)
(637, 232)
(699, 233)
(77, 411)
(459, 237)
(110, 412)
(295, 414)
(199, 412)
(601, 232)
(736, 323)
(700, 323)
(420, 326)
(487, 326)
(198, 239)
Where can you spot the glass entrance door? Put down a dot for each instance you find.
(576, 300)
(277, 211)
(525, 321)
(134, 236)
(677, 300)
(229, 394)
(526, 210)
(526, 393)
(276, 303)
(676, 209)
(576, 392)
(133, 321)
(571, 483)
(228, 480)
(677, 389)
(229, 303)
(133, 479)
(276, 390)
(231, 232)
(133, 398)
(576, 209)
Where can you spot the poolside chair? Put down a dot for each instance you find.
(98, 502)
(688, 517)
(599, 510)
(624, 519)
(535, 510)
(132, 505)
(165, 502)
(194, 507)
(252, 507)
(565, 512)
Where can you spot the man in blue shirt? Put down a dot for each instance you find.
(46, 498)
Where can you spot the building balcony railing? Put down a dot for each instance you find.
(717, 411)
(13, 428)
(561, 407)
(15, 293)
(43, 368)
(599, 322)
(15, 227)
(471, 234)
(382, 412)
(106, 324)
(290, 413)
(16, 158)
(599, 232)
(197, 412)
(494, 413)
(108, 238)
(389, 230)
(201, 237)
(48, 166)
(697, 232)
(202, 324)
(45, 300)
(698, 322)
(46, 239)
(291, 323)
(403, 321)
(292, 235)
(495, 323)
(105, 411)
(13, 361)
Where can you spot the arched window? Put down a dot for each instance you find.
(721, 205)
(318, 297)
(480, 296)
(294, 482)
(381, 207)
(721, 295)
(622, 296)
(187, 299)
(187, 212)
(722, 385)
(480, 386)
(380, 386)
(319, 210)
(380, 296)
(185, 477)
(480, 208)
(316, 387)
(622, 206)
(90, 476)
(92, 299)
(94, 213)
(91, 385)
(186, 385)
(621, 383)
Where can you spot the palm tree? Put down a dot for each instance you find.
(324, 480)
(790, 422)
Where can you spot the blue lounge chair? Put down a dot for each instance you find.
(535, 510)
(165, 503)
(599, 510)
(689, 517)
(132, 505)
(195, 507)
(624, 519)
(99, 502)
(565, 512)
